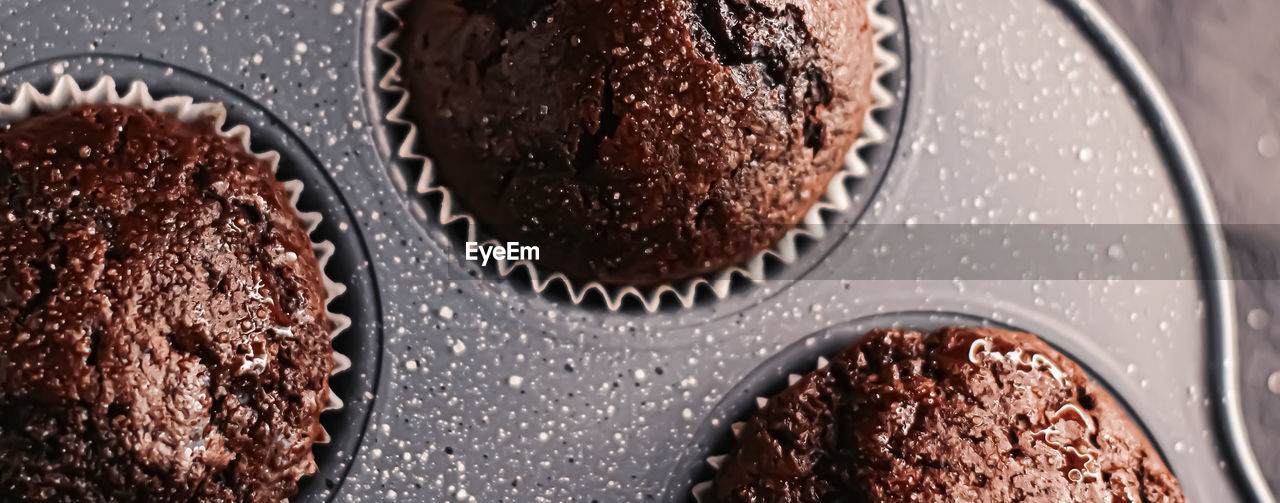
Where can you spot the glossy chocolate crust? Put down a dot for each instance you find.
(638, 141)
(960, 414)
(162, 326)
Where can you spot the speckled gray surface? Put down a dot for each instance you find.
(478, 390)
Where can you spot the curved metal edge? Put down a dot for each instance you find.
(1172, 136)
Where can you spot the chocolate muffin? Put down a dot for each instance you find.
(960, 414)
(162, 327)
(676, 137)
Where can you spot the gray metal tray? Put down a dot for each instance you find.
(1020, 116)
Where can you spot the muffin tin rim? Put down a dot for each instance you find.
(1210, 244)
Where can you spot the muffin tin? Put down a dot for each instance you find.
(1030, 119)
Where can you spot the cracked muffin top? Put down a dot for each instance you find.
(162, 326)
(677, 137)
(960, 414)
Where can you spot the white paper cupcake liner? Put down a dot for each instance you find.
(67, 93)
(836, 198)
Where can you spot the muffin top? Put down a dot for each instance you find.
(960, 414)
(677, 137)
(162, 326)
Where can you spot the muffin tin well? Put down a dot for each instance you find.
(1024, 113)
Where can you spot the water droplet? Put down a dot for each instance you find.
(1085, 154)
(1258, 319)
(1269, 145)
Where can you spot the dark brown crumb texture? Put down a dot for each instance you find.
(677, 137)
(960, 414)
(162, 325)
